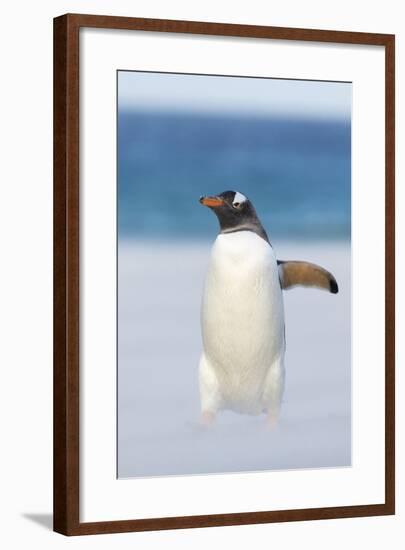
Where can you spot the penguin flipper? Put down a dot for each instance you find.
(296, 273)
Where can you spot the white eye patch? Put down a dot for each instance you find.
(239, 198)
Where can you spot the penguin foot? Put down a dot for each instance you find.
(207, 419)
(272, 421)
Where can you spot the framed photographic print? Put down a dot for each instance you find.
(223, 274)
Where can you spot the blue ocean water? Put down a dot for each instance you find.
(296, 172)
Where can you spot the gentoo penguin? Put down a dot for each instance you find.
(242, 313)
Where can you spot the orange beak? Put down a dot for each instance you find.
(211, 201)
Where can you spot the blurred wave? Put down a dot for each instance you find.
(297, 172)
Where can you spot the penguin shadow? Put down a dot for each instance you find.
(196, 427)
(258, 427)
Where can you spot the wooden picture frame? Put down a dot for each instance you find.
(67, 283)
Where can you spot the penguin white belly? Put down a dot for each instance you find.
(242, 322)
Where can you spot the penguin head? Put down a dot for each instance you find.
(235, 212)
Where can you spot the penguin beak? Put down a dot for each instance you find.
(212, 202)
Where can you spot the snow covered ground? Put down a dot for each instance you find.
(159, 345)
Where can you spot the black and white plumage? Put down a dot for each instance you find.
(242, 314)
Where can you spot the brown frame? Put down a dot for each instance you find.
(66, 273)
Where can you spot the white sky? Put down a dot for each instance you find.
(230, 95)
